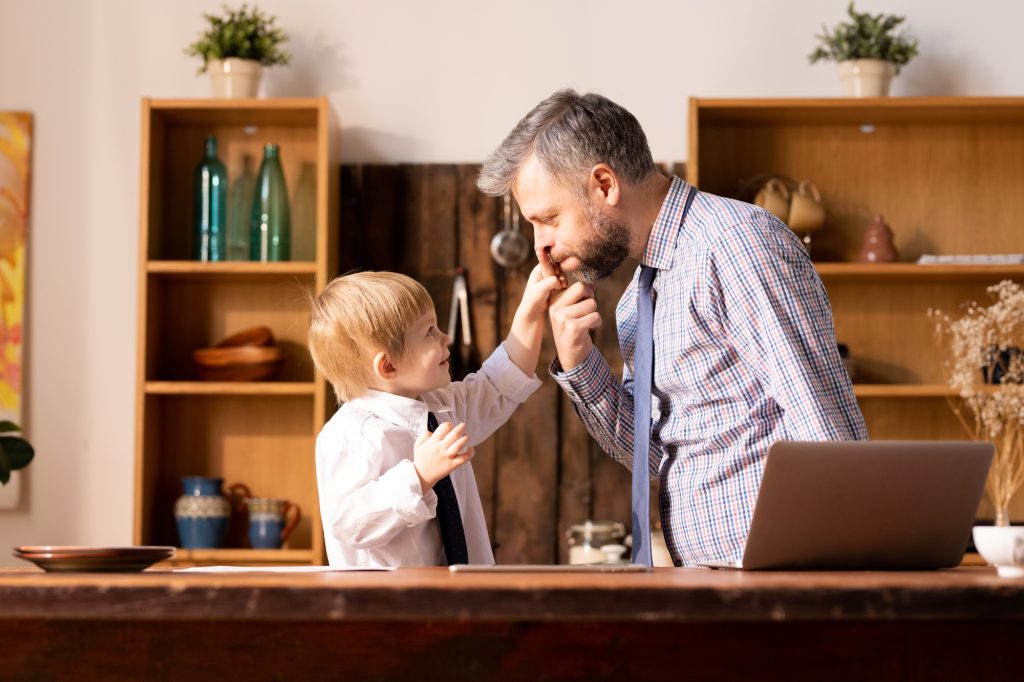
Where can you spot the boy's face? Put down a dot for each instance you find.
(424, 366)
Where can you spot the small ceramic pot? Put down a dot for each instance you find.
(865, 77)
(235, 78)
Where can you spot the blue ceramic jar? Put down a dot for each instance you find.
(202, 513)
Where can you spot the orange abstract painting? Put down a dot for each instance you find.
(15, 155)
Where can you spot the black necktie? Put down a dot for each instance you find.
(453, 535)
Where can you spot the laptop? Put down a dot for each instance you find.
(903, 505)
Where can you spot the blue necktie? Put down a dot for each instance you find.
(643, 377)
(453, 535)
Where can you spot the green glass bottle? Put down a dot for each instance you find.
(209, 206)
(270, 236)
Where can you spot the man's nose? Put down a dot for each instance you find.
(543, 238)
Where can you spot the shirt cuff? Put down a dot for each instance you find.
(586, 381)
(506, 376)
(413, 503)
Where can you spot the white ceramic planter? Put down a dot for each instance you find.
(235, 78)
(865, 77)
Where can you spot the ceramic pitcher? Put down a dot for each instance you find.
(203, 512)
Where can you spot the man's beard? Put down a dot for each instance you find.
(601, 252)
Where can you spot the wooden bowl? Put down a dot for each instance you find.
(238, 363)
(253, 336)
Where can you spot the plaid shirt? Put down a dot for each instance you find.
(744, 355)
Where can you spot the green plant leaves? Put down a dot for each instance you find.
(15, 453)
(243, 33)
(865, 36)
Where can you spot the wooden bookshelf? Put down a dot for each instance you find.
(258, 433)
(946, 173)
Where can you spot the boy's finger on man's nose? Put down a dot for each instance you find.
(547, 267)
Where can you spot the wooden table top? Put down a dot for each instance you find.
(437, 594)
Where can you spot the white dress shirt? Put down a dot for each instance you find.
(373, 508)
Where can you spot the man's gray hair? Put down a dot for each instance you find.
(571, 133)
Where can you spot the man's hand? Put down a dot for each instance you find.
(437, 454)
(573, 316)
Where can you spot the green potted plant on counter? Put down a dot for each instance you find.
(235, 47)
(15, 451)
(868, 51)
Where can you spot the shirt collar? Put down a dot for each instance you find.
(405, 413)
(660, 251)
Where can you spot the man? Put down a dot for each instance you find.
(744, 345)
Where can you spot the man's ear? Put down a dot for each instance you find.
(383, 368)
(603, 185)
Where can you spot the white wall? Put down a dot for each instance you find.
(411, 81)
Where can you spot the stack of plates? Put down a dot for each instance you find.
(101, 559)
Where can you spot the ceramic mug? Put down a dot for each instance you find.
(806, 212)
(774, 198)
(269, 526)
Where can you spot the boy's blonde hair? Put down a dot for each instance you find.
(355, 317)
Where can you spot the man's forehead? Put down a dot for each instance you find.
(535, 188)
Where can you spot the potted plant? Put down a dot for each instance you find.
(868, 50)
(235, 47)
(15, 451)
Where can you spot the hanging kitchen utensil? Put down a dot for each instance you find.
(510, 248)
(459, 312)
(463, 359)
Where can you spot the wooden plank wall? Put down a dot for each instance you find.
(541, 472)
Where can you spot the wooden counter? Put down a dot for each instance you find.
(426, 623)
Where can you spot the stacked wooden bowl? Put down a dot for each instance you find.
(249, 355)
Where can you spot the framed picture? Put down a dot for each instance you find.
(15, 158)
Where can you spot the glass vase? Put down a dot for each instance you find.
(240, 210)
(209, 205)
(270, 234)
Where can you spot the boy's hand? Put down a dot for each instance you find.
(437, 454)
(539, 287)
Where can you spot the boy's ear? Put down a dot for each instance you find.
(383, 368)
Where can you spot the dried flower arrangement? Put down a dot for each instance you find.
(983, 348)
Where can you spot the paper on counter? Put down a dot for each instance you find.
(280, 569)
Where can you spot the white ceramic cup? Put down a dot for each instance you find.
(1002, 547)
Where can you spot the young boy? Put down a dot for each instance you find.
(396, 490)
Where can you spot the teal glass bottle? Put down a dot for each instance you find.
(270, 236)
(209, 206)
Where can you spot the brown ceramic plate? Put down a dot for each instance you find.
(93, 559)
